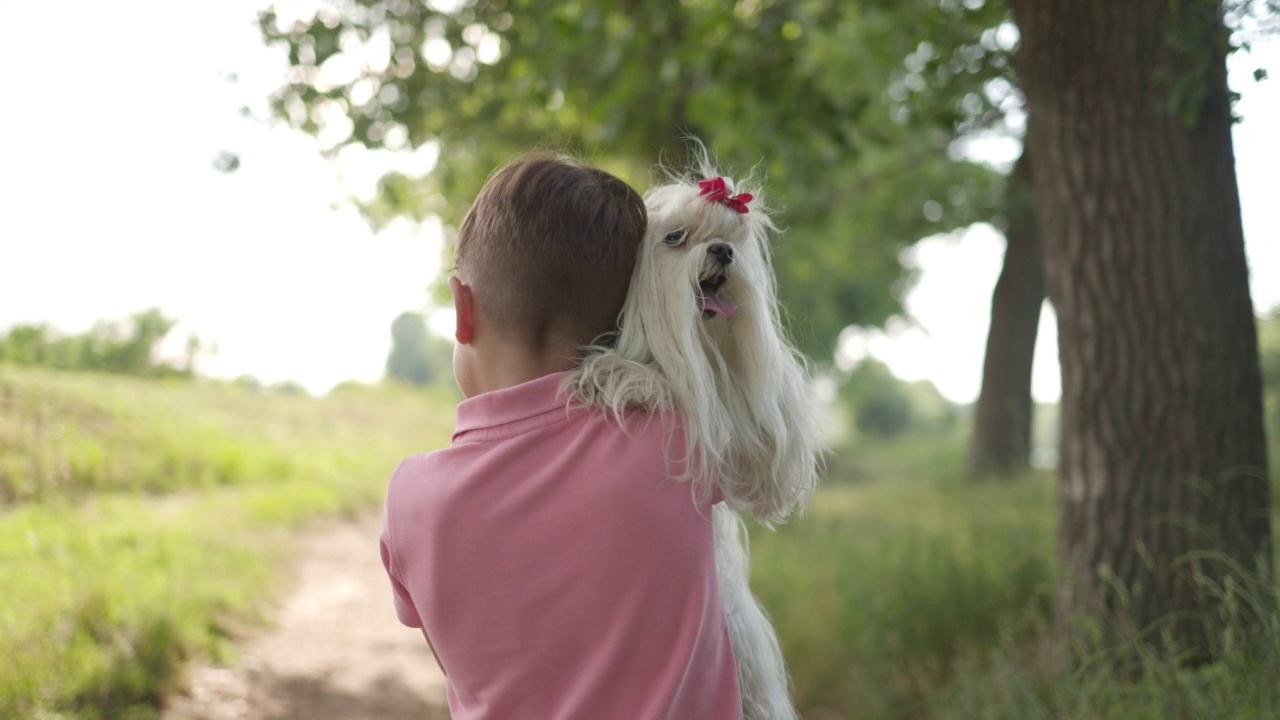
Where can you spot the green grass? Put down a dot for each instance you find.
(889, 576)
(69, 435)
(146, 520)
(909, 592)
(103, 602)
(1009, 683)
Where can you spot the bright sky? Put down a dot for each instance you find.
(115, 111)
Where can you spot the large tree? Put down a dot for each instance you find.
(1163, 468)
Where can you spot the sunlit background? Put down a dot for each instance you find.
(117, 111)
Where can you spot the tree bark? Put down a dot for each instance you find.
(1002, 419)
(1163, 461)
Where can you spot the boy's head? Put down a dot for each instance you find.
(547, 251)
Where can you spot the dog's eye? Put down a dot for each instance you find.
(675, 238)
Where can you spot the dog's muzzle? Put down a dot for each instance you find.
(710, 302)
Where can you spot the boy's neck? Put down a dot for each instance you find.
(506, 366)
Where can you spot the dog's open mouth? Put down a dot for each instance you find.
(710, 302)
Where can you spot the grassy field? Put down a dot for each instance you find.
(909, 591)
(898, 567)
(143, 523)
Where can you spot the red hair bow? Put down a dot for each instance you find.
(714, 190)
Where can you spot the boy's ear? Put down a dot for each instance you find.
(464, 307)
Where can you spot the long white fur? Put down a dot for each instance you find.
(762, 672)
(740, 390)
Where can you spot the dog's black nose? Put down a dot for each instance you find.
(722, 252)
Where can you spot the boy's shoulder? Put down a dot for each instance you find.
(588, 430)
(423, 463)
(412, 472)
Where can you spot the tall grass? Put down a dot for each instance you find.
(68, 435)
(1126, 682)
(104, 602)
(887, 578)
(910, 592)
(146, 520)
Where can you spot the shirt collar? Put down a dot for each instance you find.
(511, 405)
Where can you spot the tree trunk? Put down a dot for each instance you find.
(1163, 459)
(1002, 419)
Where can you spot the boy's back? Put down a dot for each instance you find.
(557, 568)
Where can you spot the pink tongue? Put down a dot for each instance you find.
(709, 302)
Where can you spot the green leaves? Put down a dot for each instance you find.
(126, 347)
(849, 107)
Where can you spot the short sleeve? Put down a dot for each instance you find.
(406, 612)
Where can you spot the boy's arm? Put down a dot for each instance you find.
(403, 603)
(433, 653)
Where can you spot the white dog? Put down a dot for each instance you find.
(700, 334)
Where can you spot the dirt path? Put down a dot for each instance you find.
(336, 652)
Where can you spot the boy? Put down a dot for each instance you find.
(553, 563)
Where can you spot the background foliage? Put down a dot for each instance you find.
(417, 357)
(885, 407)
(127, 347)
(851, 109)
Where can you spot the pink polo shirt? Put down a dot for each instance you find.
(558, 569)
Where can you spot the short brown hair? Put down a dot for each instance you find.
(549, 246)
